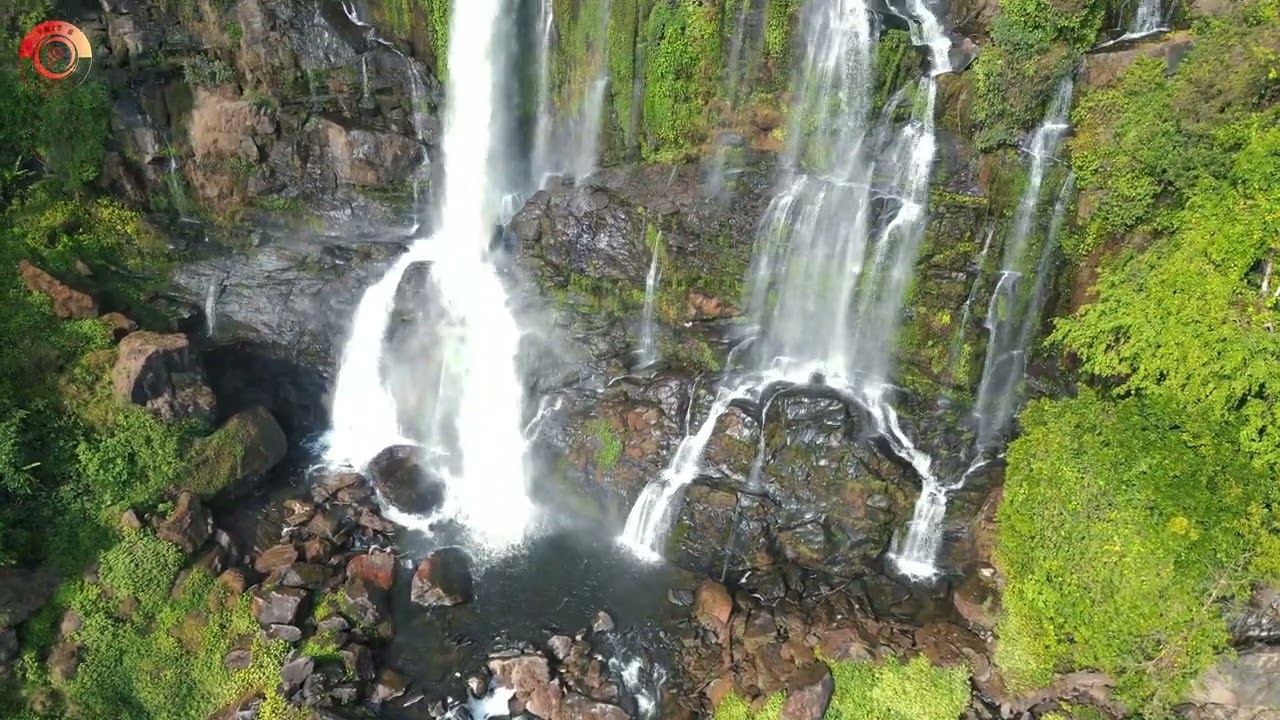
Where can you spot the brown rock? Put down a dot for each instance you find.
(373, 521)
(64, 662)
(234, 581)
(706, 307)
(530, 677)
(978, 602)
(189, 525)
(317, 550)
(325, 489)
(299, 512)
(767, 119)
(129, 520)
(389, 686)
(68, 302)
(241, 453)
(403, 481)
(279, 605)
(845, 644)
(163, 374)
(274, 558)
(443, 579)
(808, 694)
(120, 325)
(376, 568)
(301, 575)
(712, 605)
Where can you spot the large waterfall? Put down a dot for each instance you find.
(837, 245)
(476, 394)
(1011, 320)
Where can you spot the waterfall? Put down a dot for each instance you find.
(211, 304)
(418, 116)
(481, 433)
(835, 251)
(542, 140)
(648, 342)
(364, 80)
(1002, 369)
(1011, 326)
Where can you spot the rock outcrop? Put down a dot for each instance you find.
(238, 454)
(68, 302)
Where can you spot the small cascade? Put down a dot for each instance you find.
(651, 517)
(364, 80)
(481, 433)
(835, 251)
(1148, 20)
(211, 296)
(541, 161)
(1002, 369)
(648, 342)
(418, 116)
(176, 185)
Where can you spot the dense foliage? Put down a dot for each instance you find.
(894, 690)
(1137, 513)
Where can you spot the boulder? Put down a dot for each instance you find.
(443, 579)
(68, 302)
(22, 593)
(357, 660)
(399, 476)
(287, 633)
(120, 325)
(189, 525)
(237, 660)
(808, 694)
(64, 662)
(164, 374)
(294, 673)
(234, 581)
(279, 605)
(301, 575)
(529, 677)
(602, 623)
(712, 605)
(376, 568)
(274, 558)
(241, 453)
(331, 487)
(389, 686)
(363, 604)
(978, 602)
(299, 512)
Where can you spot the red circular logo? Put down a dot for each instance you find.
(55, 56)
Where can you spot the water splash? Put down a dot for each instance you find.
(482, 435)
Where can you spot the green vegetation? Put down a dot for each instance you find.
(1034, 44)
(609, 451)
(914, 690)
(1137, 512)
(682, 73)
(206, 71)
(426, 21)
(151, 648)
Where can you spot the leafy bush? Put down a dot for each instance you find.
(1120, 531)
(682, 69)
(205, 71)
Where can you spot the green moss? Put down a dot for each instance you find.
(694, 354)
(216, 460)
(609, 450)
(781, 17)
(425, 19)
(915, 690)
(894, 65)
(682, 72)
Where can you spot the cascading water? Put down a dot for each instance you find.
(1011, 324)
(1002, 369)
(835, 254)
(1149, 19)
(567, 131)
(647, 523)
(648, 341)
(957, 344)
(481, 434)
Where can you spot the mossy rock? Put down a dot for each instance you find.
(228, 462)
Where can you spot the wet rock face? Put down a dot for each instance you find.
(280, 313)
(163, 374)
(824, 499)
